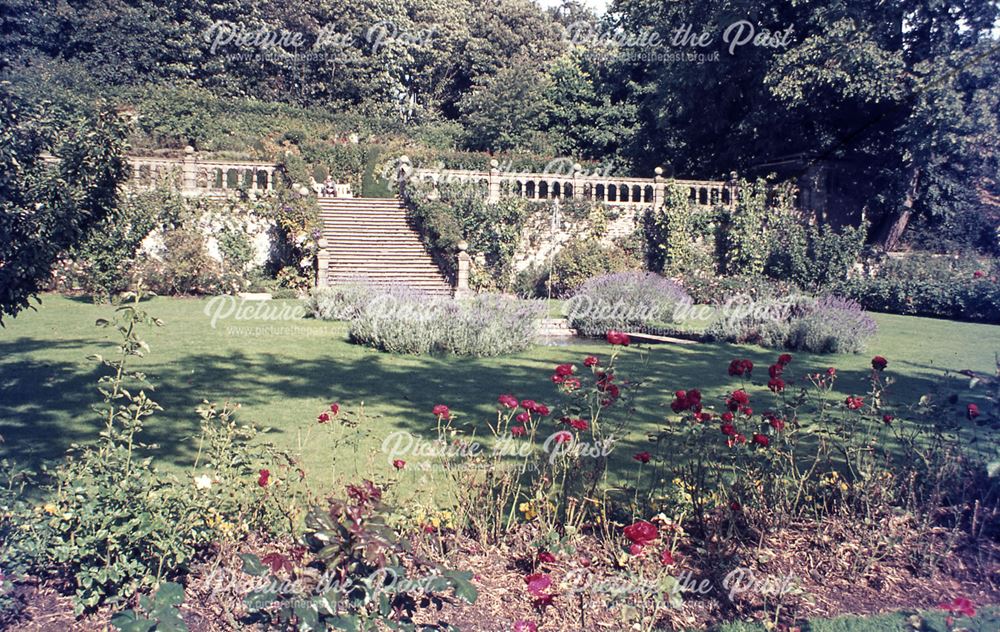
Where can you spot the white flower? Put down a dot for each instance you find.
(203, 482)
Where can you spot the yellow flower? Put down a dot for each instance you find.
(528, 511)
(50, 508)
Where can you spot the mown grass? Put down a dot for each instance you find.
(986, 620)
(284, 373)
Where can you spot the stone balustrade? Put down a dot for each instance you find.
(195, 176)
(598, 188)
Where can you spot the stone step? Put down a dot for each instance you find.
(371, 239)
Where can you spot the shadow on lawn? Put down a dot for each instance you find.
(33, 397)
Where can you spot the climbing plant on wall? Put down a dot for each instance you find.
(671, 232)
(744, 244)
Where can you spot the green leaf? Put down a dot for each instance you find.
(169, 594)
(252, 565)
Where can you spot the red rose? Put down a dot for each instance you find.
(507, 401)
(399, 464)
(590, 361)
(323, 418)
(727, 417)
(265, 476)
(562, 437)
(972, 411)
(442, 411)
(777, 424)
(334, 408)
(618, 338)
(961, 606)
(666, 558)
(736, 399)
(776, 384)
(728, 429)
(641, 532)
(635, 549)
(887, 418)
(761, 440)
(545, 556)
(854, 403)
(564, 370)
(579, 424)
(775, 370)
(740, 367)
(784, 359)
(642, 457)
(831, 371)
(537, 585)
(542, 410)
(879, 363)
(746, 410)
(523, 417)
(518, 431)
(978, 274)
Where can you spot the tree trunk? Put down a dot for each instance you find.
(893, 228)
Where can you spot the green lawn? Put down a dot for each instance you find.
(284, 373)
(986, 620)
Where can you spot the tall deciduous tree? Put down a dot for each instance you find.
(46, 208)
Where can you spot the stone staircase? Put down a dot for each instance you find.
(371, 240)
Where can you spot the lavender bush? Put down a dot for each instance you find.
(404, 321)
(338, 302)
(832, 325)
(828, 324)
(630, 301)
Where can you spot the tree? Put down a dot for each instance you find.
(898, 99)
(46, 208)
(506, 109)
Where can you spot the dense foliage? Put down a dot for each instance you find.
(45, 209)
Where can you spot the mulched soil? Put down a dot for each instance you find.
(836, 566)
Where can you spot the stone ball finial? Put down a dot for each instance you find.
(658, 171)
(189, 149)
(577, 167)
(494, 163)
(463, 245)
(303, 190)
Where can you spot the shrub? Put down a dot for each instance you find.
(923, 285)
(109, 252)
(712, 289)
(624, 301)
(831, 325)
(339, 302)
(111, 524)
(825, 325)
(403, 321)
(183, 265)
(582, 259)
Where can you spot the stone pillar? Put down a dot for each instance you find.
(322, 262)
(733, 185)
(464, 264)
(494, 194)
(577, 181)
(189, 171)
(658, 188)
